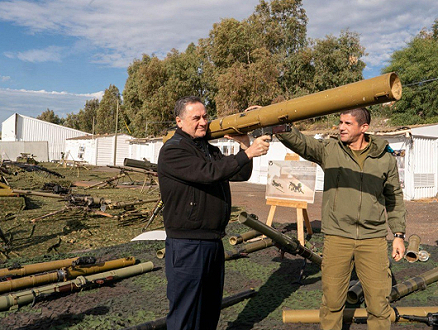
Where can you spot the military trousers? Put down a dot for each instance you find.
(370, 259)
(195, 280)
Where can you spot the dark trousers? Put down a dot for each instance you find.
(195, 282)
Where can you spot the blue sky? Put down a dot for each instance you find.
(56, 54)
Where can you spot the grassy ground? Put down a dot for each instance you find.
(142, 298)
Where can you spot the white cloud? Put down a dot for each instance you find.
(32, 103)
(5, 78)
(49, 54)
(124, 30)
(384, 25)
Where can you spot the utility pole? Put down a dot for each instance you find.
(115, 135)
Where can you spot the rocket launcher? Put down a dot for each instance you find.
(63, 274)
(285, 243)
(15, 300)
(380, 89)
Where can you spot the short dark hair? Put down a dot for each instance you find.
(362, 115)
(180, 105)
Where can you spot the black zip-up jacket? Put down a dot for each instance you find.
(194, 184)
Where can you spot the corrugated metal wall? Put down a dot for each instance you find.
(425, 155)
(31, 129)
(105, 150)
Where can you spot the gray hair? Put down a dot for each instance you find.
(180, 105)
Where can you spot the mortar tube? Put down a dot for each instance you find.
(413, 248)
(355, 294)
(287, 244)
(28, 296)
(353, 315)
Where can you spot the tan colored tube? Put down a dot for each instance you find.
(381, 89)
(350, 314)
(413, 248)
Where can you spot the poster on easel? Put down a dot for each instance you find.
(291, 180)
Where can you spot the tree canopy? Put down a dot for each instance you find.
(263, 59)
(417, 68)
(49, 116)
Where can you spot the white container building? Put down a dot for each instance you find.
(27, 129)
(416, 149)
(99, 149)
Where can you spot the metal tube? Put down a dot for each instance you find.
(381, 89)
(413, 284)
(248, 248)
(352, 314)
(161, 253)
(413, 248)
(63, 274)
(355, 293)
(28, 296)
(239, 238)
(287, 244)
(37, 268)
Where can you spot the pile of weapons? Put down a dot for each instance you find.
(97, 206)
(7, 167)
(427, 315)
(62, 276)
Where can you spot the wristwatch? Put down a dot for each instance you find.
(402, 236)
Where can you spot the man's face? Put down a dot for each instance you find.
(349, 129)
(193, 120)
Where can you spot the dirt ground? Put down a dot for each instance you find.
(421, 215)
(281, 282)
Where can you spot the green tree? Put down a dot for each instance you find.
(106, 113)
(337, 61)
(244, 84)
(280, 26)
(49, 116)
(417, 68)
(154, 85)
(85, 118)
(72, 121)
(262, 59)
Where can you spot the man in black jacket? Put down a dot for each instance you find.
(194, 184)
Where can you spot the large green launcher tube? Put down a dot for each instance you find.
(352, 315)
(419, 282)
(367, 92)
(413, 284)
(287, 244)
(381, 89)
(28, 296)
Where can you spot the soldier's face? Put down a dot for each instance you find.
(193, 120)
(349, 129)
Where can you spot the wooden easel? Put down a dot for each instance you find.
(302, 216)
